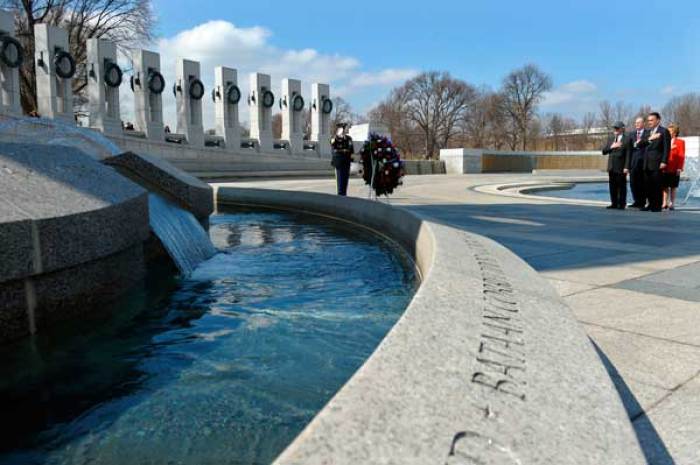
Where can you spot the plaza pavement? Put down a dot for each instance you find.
(631, 278)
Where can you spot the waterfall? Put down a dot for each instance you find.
(187, 243)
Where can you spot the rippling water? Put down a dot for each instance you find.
(225, 367)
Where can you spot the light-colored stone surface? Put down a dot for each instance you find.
(446, 386)
(640, 330)
(651, 315)
(677, 421)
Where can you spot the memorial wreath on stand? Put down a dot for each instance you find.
(382, 168)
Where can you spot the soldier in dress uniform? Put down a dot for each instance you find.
(342, 157)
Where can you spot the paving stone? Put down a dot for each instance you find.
(656, 316)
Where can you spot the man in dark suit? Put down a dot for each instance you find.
(618, 149)
(637, 164)
(657, 147)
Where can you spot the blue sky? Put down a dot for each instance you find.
(642, 52)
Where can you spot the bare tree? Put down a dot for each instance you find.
(588, 122)
(435, 103)
(125, 22)
(684, 111)
(276, 126)
(610, 113)
(624, 112)
(483, 126)
(607, 114)
(523, 89)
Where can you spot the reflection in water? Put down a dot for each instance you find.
(225, 367)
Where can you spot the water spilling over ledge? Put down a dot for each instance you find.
(186, 241)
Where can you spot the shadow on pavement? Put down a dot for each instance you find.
(652, 445)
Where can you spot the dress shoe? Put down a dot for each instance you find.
(635, 205)
(655, 210)
(645, 209)
(621, 207)
(611, 207)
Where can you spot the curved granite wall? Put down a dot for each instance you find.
(71, 231)
(487, 365)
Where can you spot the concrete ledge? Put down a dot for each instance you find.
(486, 365)
(65, 219)
(527, 190)
(160, 176)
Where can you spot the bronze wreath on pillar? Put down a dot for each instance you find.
(326, 106)
(64, 64)
(11, 52)
(233, 94)
(113, 74)
(196, 89)
(297, 103)
(156, 82)
(268, 98)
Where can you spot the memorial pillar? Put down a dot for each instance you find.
(55, 68)
(104, 79)
(261, 101)
(148, 85)
(321, 108)
(11, 58)
(292, 106)
(189, 91)
(226, 96)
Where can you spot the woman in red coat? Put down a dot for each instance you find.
(672, 173)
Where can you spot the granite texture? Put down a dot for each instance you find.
(60, 208)
(14, 320)
(71, 231)
(84, 289)
(487, 365)
(158, 175)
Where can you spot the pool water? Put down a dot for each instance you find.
(225, 367)
(600, 191)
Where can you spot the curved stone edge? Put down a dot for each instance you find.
(158, 175)
(523, 190)
(486, 365)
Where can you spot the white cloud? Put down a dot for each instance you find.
(668, 90)
(221, 43)
(581, 95)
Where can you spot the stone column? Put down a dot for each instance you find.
(104, 79)
(292, 104)
(189, 91)
(321, 108)
(261, 101)
(148, 85)
(55, 68)
(12, 58)
(226, 97)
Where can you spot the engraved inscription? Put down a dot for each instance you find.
(501, 355)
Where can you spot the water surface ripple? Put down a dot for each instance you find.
(225, 367)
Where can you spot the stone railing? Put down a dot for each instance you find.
(486, 365)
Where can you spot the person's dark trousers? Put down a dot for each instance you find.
(653, 189)
(618, 189)
(342, 176)
(637, 183)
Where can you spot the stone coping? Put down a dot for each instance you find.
(157, 175)
(59, 208)
(486, 365)
(524, 190)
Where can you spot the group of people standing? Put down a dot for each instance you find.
(653, 157)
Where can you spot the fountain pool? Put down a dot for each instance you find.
(599, 191)
(225, 366)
